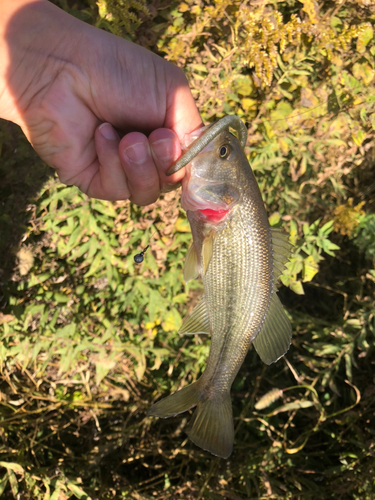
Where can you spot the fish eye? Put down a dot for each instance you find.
(224, 152)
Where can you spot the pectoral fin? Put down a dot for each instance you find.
(273, 340)
(191, 269)
(207, 248)
(197, 321)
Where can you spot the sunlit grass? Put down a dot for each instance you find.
(88, 338)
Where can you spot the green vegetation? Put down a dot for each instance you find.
(88, 339)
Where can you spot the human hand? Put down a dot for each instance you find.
(74, 88)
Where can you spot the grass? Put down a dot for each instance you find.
(88, 339)
(81, 365)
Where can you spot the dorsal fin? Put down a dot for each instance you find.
(281, 248)
(273, 340)
(197, 321)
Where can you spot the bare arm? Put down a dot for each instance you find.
(75, 89)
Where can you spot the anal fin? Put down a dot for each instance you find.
(197, 321)
(274, 338)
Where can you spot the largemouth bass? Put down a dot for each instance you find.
(239, 258)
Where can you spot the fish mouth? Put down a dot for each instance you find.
(210, 198)
(213, 200)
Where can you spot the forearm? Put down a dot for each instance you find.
(27, 38)
(9, 10)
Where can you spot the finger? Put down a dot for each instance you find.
(182, 114)
(109, 181)
(140, 169)
(165, 149)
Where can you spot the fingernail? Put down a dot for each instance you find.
(164, 149)
(108, 132)
(137, 153)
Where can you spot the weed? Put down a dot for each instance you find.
(88, 338)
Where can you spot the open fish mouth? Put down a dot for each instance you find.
(221, 198)
(210, 195)
(217, 196)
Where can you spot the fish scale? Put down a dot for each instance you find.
(248, 266)
(239, 258)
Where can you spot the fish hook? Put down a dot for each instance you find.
(214, 130)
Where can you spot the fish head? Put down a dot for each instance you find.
(211, 186)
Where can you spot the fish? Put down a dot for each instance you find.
(239, 258)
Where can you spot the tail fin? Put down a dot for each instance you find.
(211, 427)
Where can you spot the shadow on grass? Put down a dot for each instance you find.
(22, 174)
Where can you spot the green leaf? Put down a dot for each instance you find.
(274, 219)
(78, 492)
(180, 298)
(13, 482)
(358, 137)
(293, 232)
(364, 37)
(74, 239)
(310, 269)
(67, 331)
(56, 495)
(295, 265)
(328, 350)
(13, 466)
(172, 322)
(61, 298)
(326, 229)
(37, 279)
(279, 115)
(97, 264)
(348, 366)
(80, 250)
(3, 482)
(364, 72)
(182, 225)
(199, 67)
(244, 86)
(93, 246)
(104, 207)
(297, 287)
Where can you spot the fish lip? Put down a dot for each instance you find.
(213, 216)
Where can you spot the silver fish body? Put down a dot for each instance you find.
(239, 259)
